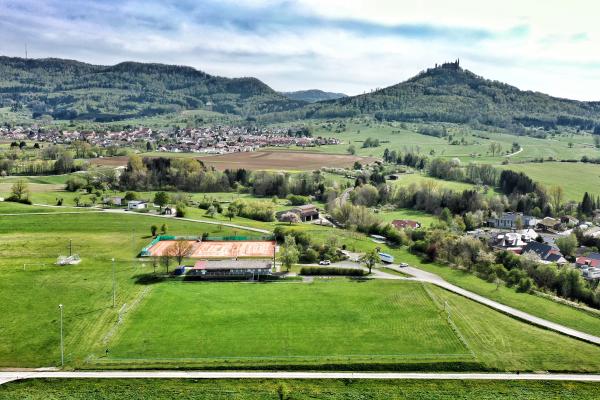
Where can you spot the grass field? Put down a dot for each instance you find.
(475, 146)
(424, 218)
(30, 296)
(574, 178)
(333, 321)
(260, 389)
(249, 325)
(418, 179)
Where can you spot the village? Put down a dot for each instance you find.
(221, 139)
(523, 234)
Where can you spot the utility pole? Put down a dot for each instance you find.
(133, 243)
(62, 346)
(114, 284)
(70, 247)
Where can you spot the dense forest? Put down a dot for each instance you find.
(72, 90)
(313, 95)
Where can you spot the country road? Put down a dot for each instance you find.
(513, 312)
(12, 376)
(121, 211)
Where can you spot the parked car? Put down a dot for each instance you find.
(403, 265)
(324, 262)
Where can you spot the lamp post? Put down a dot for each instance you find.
(62, 346)
(114, 283)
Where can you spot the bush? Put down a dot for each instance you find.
(180, 210)
(15, 199)
(75, 183)
(332, 271)
(297, 200)
(257, 210)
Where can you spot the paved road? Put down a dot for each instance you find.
(436, 280)
(11, 376)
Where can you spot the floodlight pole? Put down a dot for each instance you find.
(62, 346)
(114, 285)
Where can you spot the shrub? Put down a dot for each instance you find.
(297, 200)
(331, 271)
(75, 183)
(180, 210)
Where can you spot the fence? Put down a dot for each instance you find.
(146, 250)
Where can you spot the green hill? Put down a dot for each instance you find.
(448, 93)
(72, 90)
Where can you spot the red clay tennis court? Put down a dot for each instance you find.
(220, 249)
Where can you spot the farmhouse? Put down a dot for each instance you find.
(308, 212)
(137, 205)
(231, 268)
(406, 223)
(547, 253)
(512, 220)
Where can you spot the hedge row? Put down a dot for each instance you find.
(331, 271)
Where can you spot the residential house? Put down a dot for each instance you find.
(592, 260)
(547, 253)
(549, 224)
(569, 220)
(511, 220)
(137, 205)
(514, 241)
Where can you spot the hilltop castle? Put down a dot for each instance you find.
(450, 65)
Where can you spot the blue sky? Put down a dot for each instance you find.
(348, 46)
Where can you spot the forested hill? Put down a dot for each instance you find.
(448, 93)
(313, 95)
(69, 90)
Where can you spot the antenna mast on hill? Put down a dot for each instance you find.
(26, 50)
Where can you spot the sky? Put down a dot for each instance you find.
(347, 46)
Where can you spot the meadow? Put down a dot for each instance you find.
(574, 178)
(474, 144)
(334, 321)
(31, 291)
(326, 389)
(368, 324)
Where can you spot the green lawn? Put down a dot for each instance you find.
(424, 218)
(325, 389)
(475, 147)
(30, 295)
(537, 306)
(418, 179)
(341, 322)
(574, 178)
(333, 321)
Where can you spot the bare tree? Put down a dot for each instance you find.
(20, 190)
(180, 249)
